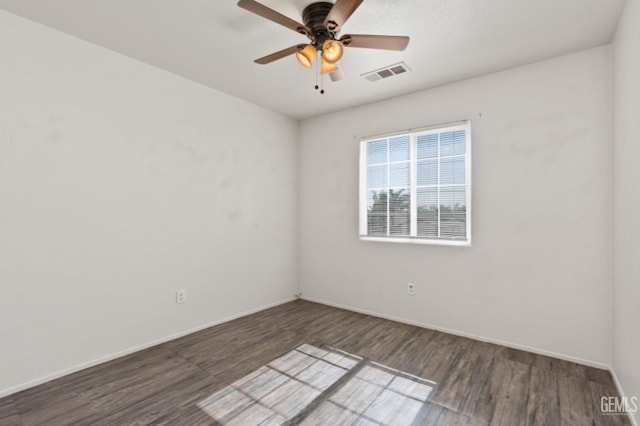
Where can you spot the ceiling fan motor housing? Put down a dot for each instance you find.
(313, 17)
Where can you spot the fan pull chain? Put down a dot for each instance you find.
(317, 69)
(317, 64)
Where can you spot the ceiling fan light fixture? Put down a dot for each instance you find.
(332, 51)
(306, 56)
(328, 67)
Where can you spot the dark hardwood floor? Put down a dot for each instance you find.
(305, 363)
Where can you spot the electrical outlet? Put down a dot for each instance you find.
(181, 295)
(411, 289)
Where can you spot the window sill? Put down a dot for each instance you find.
(406, 240)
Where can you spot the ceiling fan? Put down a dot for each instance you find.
(322, 22)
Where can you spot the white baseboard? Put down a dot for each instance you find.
(92, 363)
(622, 394)
(463, 334)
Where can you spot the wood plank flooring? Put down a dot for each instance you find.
(306, 363)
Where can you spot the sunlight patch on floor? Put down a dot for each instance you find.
(311, 385)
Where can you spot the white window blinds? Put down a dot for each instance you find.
(415, 186)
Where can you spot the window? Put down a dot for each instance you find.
(415, 186)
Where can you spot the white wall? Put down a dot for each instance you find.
(120, 183)
(539, 272)
(626, 201)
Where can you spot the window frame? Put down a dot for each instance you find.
(413, 135)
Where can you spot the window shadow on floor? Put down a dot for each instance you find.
(311, 385)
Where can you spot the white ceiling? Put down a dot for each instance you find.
(214, 42)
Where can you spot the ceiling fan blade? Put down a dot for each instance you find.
(270, 14)
(280, 54)
(339, 13)
(375, 41)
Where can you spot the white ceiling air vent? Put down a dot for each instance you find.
(386, 72)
